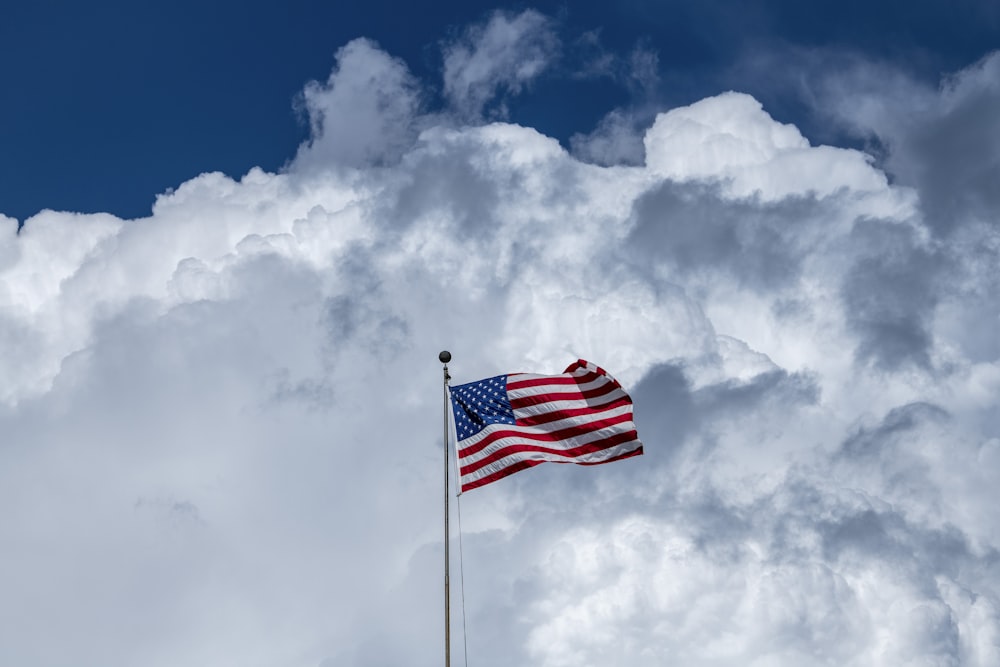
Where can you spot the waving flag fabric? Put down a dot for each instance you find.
(512, 422)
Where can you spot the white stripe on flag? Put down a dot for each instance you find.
(557, 425)
(521, 435)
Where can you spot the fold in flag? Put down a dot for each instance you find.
(511, 422)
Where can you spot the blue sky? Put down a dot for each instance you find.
(235, 237)
(110, 104)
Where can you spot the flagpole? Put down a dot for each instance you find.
(444, 358)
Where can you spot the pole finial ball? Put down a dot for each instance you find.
(445, 357)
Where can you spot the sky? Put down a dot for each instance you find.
(234, 238)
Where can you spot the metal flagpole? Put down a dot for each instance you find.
(444, 358)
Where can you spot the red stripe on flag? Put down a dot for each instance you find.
(551, 379)
(543, 436)
(538, 399)
(565, 413)
(500, 474)
(521, 465)
(574, 452)
(627, 455)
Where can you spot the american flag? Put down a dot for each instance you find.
(511, 422)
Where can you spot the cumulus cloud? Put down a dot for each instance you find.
(502, 55)
(618, 137)
(363, 114)
(221, 422)
(617, 140)
(940, 140)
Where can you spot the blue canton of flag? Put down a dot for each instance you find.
(478, 404)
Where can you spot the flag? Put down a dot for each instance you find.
(507, 423)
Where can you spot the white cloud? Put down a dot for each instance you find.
(615, 140)
(363, 114)
(502, 55)
(221, 422)
(618, 137)
(730, 137)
